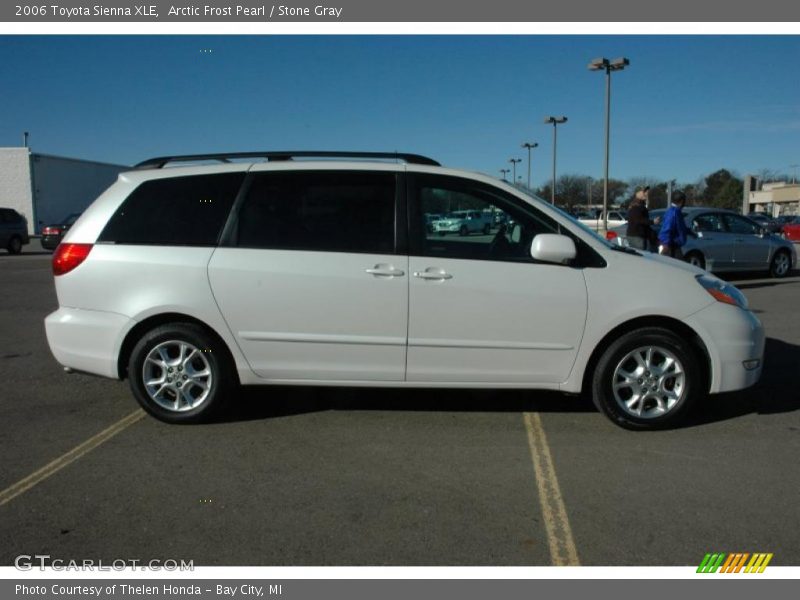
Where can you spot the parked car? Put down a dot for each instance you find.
(191, 280)
(790, 228)
(726, 241)
(615, 219)
(765, 221)
(52, 234)
(464, 222)
(13, 230)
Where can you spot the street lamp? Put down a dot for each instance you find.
(505, 172)
(555, 121)
(514, 162)
(530, 146)
(603, 64)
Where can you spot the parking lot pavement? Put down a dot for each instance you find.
(312, 476)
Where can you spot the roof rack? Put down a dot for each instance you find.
(160, 161)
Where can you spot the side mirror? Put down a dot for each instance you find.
(553, 248)
(516, 233)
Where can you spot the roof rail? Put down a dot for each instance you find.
(160, 161)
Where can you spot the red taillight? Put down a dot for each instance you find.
(610, 235)
(51, 231)
(68, 256)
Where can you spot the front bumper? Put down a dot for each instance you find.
(732, 337)
(87, 340)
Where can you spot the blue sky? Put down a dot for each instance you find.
(686, 105)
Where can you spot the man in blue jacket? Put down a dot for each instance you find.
(673, 232)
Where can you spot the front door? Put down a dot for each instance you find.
(480, 308)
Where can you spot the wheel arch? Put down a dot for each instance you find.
(679, 327)
(135, 333)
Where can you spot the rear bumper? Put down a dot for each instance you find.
(733, 338)
(87, 340)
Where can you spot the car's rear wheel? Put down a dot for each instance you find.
(179, 373)
(647, 379)
(14, 245)
(696, 259)
(781, 264)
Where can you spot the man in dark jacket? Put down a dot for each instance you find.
(639, 231)
(674, 231)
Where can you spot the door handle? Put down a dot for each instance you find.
(434, 275)
(385, 271)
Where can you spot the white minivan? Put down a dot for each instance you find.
(319, 268)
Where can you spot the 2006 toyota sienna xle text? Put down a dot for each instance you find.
(275, 268)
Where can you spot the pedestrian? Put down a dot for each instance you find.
(639, 233)
(673, 231)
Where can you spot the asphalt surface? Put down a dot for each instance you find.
(320, 476)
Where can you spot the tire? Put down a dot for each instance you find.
(670, 395)
(781, 264)
(463, 231)
(487, 229)
(14, 245)
(696, 259)
(181, 348)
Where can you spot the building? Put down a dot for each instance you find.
(776, 199)
(46, 188)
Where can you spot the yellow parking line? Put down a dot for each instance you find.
(22, 486)
(556, 523)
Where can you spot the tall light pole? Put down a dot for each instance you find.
(603, 64)
(514, 162)
(555, 121)
(530, 146)
(505, 172)
(794, 172)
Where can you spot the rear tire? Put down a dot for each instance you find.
(696, 259)
(14, 245)
(179, 373)
(781, 264)
(647, 379)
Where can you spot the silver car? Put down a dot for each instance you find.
(727, 241)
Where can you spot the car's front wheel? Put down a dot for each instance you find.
(14, 245)
(647, 379)
(781, 264)
(180, 374)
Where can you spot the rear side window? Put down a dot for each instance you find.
(178, 211)
(329, 211)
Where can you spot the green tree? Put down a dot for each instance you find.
(723, 189)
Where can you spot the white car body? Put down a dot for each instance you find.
(615, 219)
(321, 318)
(469, 221)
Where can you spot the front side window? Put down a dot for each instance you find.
(328, 211)
(739, 225)
(175, 211)
(478, 222)
(709, 223)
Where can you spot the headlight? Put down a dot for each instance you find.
(722, 291)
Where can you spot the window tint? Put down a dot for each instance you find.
(737, 224)
(709, 222)
(178, 211)
(479, 223)
(334, 211)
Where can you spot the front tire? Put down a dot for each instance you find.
(179, 373)
(647, 379)
(14, 245)
(781, 264)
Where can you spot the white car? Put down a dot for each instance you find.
(191, 280)
(464, 222)
(615, 219)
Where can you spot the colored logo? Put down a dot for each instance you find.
(735, 562)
